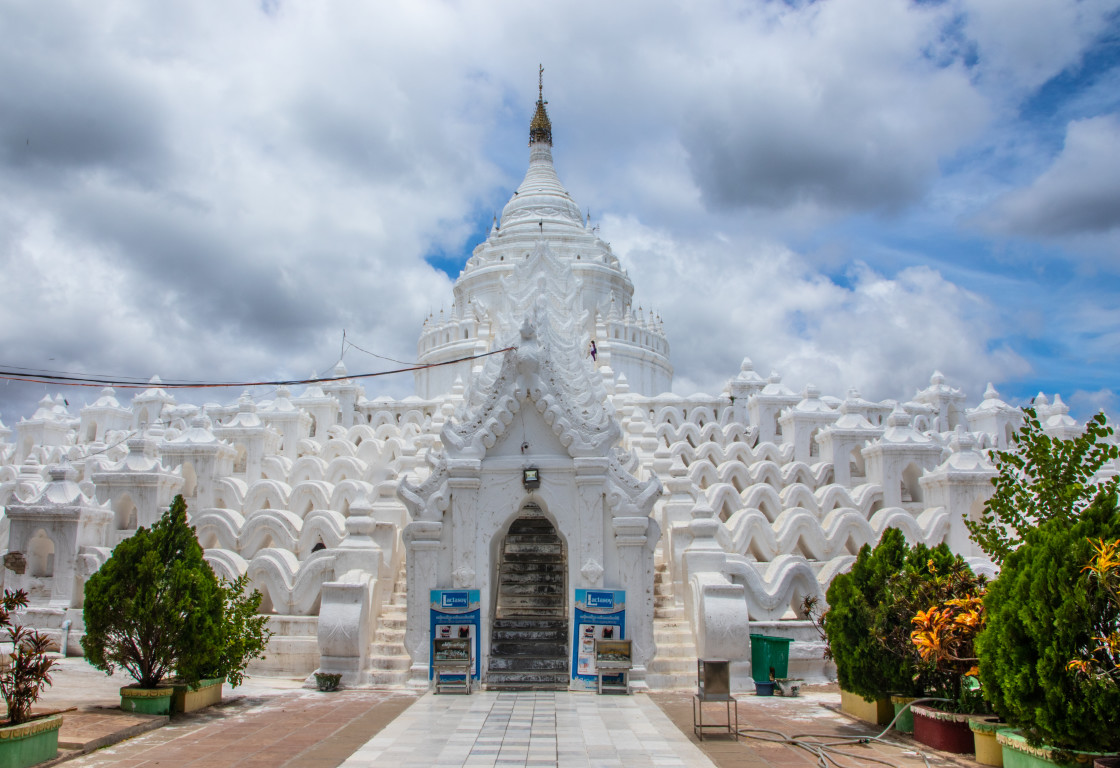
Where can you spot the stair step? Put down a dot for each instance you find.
(527, 566)
(555, 577)
(524, 635)
(538, 624)
(387, 677)
(544, 558)
(672, 666)
(555, 602)
(531, 650)
(390, 662)
(515, 686)
(529, 643)
(532, 614)
(532, 538)
(532, 590)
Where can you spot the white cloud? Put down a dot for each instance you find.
(1078, 194)
(721, 302)
(217, 195)
(836, 105)
(1089, 403)
(1020, 44)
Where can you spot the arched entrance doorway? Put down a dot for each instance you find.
(529, 635)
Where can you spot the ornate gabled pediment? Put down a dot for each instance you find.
(531, 376)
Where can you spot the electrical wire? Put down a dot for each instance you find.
(12, 373)
(374, 354)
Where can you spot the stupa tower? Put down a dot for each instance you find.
(541, 214)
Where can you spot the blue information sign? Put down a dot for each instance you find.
(455, 613)
(600, 615)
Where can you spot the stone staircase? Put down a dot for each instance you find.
(674, 666)
(389, 661)
(529, 637)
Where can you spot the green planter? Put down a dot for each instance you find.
(147, 701)
(904, 722)
(29, 743)
(769, 653)
(1018, 754)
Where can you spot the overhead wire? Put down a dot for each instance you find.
(13, 373)
(349, 343)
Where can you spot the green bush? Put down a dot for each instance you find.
(155, 605)
(1043, 612)
(244, 633)
(1042, 478)
(870, 607)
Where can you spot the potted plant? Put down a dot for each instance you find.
(1044, 612)
(865, 674)
(927, 577)
(1047, 609)
(1101, 662)
(867, 624)
(328, 681)
(25, 739)
(243, 636)
(944, 635)
(153, 607)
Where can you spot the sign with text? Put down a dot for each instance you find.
(600, 615)
(455, 614)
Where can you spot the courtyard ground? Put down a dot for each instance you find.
(277, 722)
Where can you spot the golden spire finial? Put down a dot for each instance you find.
(540, 129)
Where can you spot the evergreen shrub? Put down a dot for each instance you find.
(1044, 611)
(155, 605)
(868, 621)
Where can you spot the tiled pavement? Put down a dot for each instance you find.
(272, 722)
(532, 729)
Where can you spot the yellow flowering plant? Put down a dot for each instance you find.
(1102, 662)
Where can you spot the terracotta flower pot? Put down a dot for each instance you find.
(947, 731)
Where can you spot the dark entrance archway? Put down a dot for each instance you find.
(529, 635)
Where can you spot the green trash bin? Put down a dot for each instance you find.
(767, 653)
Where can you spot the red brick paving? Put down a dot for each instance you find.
(814, 713)
(298, 729)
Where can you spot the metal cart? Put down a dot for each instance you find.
(713, 683)
(612, 659)
(451, 664)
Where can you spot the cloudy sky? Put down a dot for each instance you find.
(850, 192)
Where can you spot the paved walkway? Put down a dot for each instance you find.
(278, 723)
(538, 729)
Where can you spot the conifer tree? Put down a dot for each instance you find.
(155, 606)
